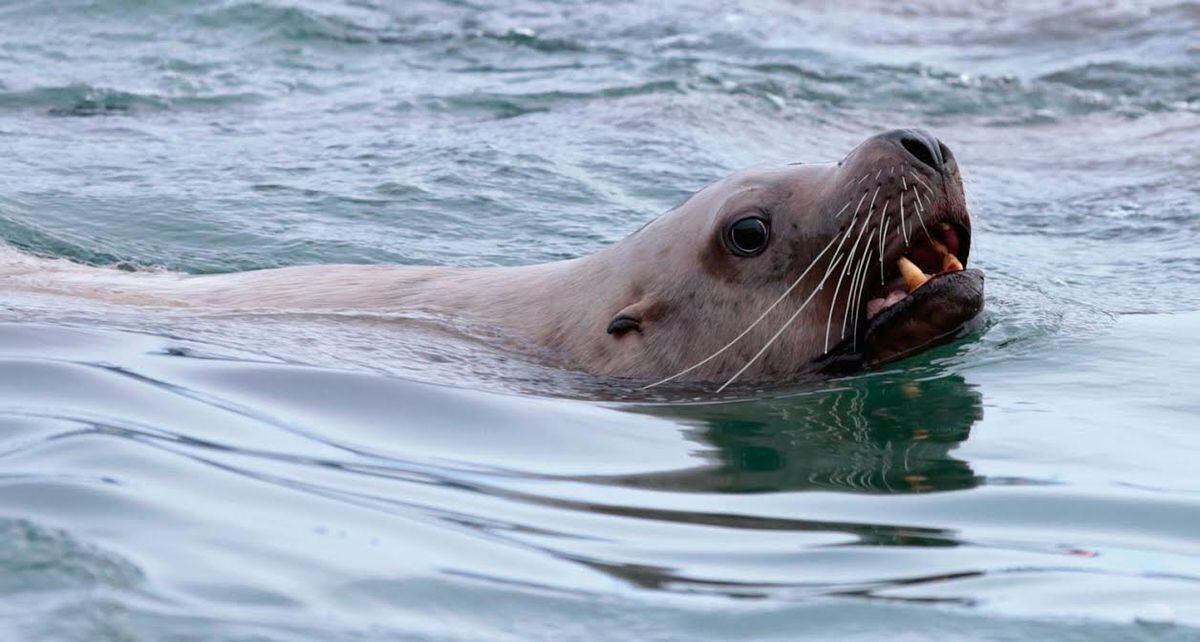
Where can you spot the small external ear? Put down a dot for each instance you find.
(627, 319)
(621, 325)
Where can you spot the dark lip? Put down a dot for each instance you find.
(959, 298)
(960, 293)
(931, 289)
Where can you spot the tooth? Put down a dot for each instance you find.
(913, 276)
(950, 263)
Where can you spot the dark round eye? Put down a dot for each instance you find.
(747, 236)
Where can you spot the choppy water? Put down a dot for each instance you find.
(242, 478)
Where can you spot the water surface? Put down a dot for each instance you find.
(247, 478)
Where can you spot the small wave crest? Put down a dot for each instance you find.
(82, 100)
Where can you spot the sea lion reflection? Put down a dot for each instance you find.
(870, 435)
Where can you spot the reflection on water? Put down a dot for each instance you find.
(291, 486)
(869, 435)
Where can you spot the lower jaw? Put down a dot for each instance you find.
(944, 309)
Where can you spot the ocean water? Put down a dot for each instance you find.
(206, 477)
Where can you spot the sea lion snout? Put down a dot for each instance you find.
(922, 146)
(908, 146)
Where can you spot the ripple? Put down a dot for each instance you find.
(80, 100)
(351, 477)
(87, 100)
(1152, 88)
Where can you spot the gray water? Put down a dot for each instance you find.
(238, 478)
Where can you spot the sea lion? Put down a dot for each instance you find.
(767, 274)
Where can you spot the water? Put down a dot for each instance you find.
(241, 478)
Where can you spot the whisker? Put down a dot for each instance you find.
(752, 325)
(858, 301)
(853, 295)
(925, 199)
(853, 251)
(849, 297)
(870, 213)
(832, 306)
(902, 230)
(921, 218)
(929, 190)
(764, 314)
(861, 229)
(882, 239)
(781, 330)
(860, 202)
(844, 208)
(922, 182)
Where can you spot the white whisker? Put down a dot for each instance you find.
(832, 305)
(853, 251)
(921, 218)
(852, 296)
(858, 300)
(859, 206)
(846, 234)
(902, 230)
(781, 330)
(849, 297)
(755, 322)
(860, 231)
(922, 182)
(773, 305)
(882, 239)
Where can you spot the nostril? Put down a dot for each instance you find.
(921, 151)
(947, 155)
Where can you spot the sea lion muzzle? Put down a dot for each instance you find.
(930, 298)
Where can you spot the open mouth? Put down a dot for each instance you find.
(930, 256)
(923, 295)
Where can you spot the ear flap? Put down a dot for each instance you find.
(628, 319)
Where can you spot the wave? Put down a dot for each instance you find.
(82, 99)
(1153, 88)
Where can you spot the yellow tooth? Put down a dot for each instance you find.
(950, 263)
(913, 276)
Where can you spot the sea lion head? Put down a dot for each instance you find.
(776, 272)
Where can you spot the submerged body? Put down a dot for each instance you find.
(766, 274)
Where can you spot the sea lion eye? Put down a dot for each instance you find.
(747, 236)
